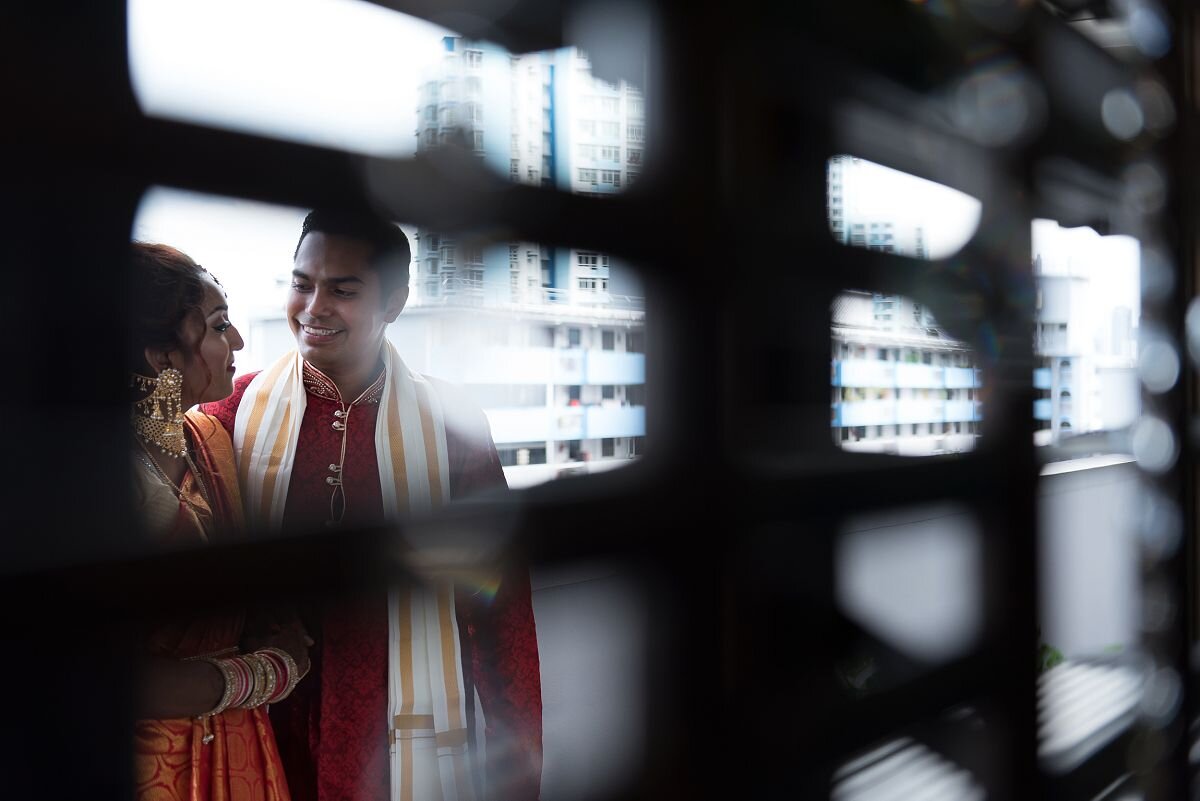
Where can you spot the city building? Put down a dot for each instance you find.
(548, 339)
(900, 384)
(1085, 336)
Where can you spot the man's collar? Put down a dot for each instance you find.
(321, 385)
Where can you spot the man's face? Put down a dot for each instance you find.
(336, 307)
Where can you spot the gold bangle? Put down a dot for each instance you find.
(230, 685)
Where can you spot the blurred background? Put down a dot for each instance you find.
(840, 358)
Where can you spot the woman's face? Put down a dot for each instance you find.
(208, 368)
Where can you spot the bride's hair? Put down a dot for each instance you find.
(165, 288)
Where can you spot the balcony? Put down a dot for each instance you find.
(919, 376)
(920, 411)
(863, 373)
(612, 367)
(962, 378)
(1041, 378)
(614, 421)
(1042, 409)
(957, 411)
(540, 424)
(532, 424)
(865, 413)
(567, 366)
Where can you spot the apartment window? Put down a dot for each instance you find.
(610, 130)
(574, 451)
(587, 176)
(532, 175)
(447, 254)
(514, 169)
(588, 261)
(636, 133)
(608, 392)
(608, 340)
(574, 337)
(633, 155)
(607, 446)
(635, 342)
(478, 140)
(474, 112)
(473, 255)
(637, 107)
(610, 153)
(610, 105)
(574, 393)
(610, 177)
(473, 58)
(513, 254)
(588, 284)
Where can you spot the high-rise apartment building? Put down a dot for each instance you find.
(548, 339)
(899, 383)
(1085, 337)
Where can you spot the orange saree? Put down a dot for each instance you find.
(172, 761)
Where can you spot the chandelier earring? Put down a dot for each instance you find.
(158, 417)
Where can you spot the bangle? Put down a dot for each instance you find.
(287, 673)
(229, 673)
(245, 680)
(264, 681)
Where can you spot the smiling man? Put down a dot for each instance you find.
(341, 433)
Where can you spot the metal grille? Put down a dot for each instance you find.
(733, 530)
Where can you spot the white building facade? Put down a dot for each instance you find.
(549, 340)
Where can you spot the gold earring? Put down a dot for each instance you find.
(158, 417)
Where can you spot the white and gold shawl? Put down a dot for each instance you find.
(425, 684)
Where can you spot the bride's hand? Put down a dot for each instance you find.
(289, 635)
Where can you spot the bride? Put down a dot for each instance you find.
(203, 732)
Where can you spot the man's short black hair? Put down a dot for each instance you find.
(391, 254)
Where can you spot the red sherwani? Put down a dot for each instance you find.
(333, 731)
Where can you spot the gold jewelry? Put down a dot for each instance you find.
(232, 685)
(292, 672)
(158, 417)
(147, 459)
(264, 681)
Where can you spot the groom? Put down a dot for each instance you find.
(341, 433)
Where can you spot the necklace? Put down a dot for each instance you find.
(148, 460)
